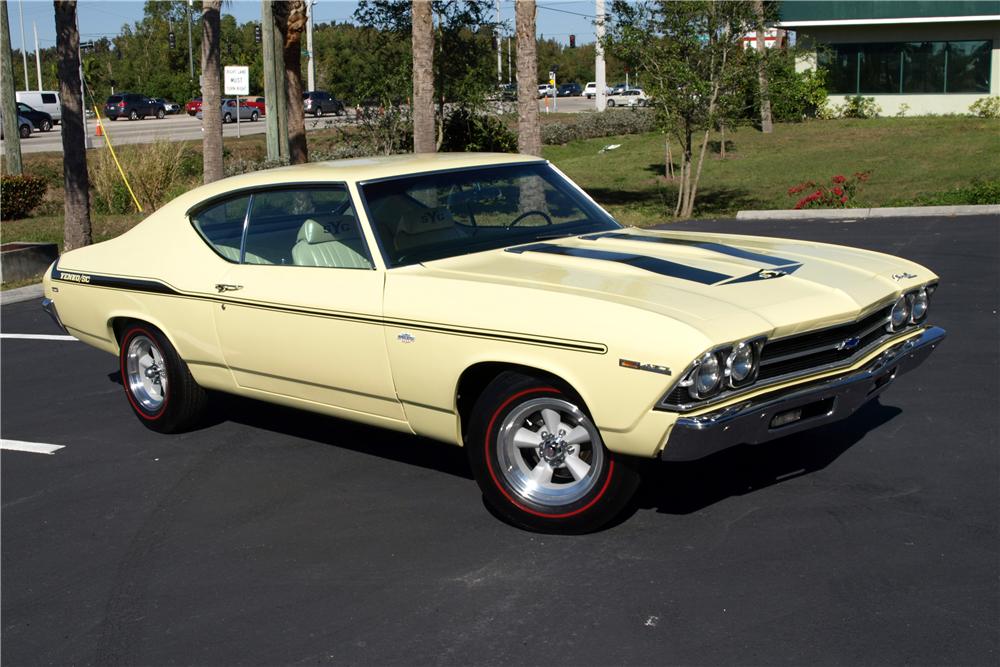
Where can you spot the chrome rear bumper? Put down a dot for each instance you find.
(798, 408)
(49, 306)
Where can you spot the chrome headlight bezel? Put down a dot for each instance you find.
(907, 302)
(722, 359)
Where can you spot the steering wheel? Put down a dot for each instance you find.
(548, 220)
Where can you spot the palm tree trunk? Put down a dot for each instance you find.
(12, 140)
(423, 78)
(76, 226)
(211, 94)
(529, 139)
(766, 124)
(291, 17)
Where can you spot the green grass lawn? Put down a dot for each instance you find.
(907, 157)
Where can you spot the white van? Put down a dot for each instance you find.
(42, 100)
(590, 90)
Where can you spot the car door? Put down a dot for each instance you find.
(300, 311)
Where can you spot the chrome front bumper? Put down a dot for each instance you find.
(801, 407)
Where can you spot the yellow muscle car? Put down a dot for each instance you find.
(487, 301)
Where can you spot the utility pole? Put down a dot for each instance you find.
(190, 45)
(11, 138)
(276, 118)
(496, 31)
(309, 47)
(24, 47)
(599, 56)
(38, 56)
(88, 143)
(508, 61)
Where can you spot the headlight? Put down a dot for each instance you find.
(706, 377)
(900, 313)
(918, 306)
(741, 363)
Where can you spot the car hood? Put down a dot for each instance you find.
(713, 282)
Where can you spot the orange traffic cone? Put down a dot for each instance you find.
(100, 130)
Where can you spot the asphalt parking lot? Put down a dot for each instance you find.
(277, 537)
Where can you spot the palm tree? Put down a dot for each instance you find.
(76, 226)
(12, 140)
(211, 94)
(529, 139)
(291, 18)
(423, 78)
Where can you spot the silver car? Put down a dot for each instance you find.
(247, 112)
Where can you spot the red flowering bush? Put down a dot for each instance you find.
(840, 194)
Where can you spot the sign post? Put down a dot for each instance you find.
(237, 78)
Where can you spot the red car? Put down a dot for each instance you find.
(193, 107)
(255, 102)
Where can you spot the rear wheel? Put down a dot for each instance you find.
(157, 382)
(540, 461)
(134, 115)
(228, 118)
(611, 103)
(318, 112)
(24, 131)
(253, 116)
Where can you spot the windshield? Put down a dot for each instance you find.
(444, 214)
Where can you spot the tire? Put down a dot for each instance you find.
(157, 382)
(133, 115)
(611, 103)
(45, 126)
(253, 116)
(24, 131)
(112, 118)
(318, 112)
(160, 113)
(548, 484)
(228, 118)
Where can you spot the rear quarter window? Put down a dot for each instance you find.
(49, 98)
(221, 226)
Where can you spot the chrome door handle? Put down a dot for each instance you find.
(222, 287)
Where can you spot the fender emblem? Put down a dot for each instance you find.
(405, 338)
(848, 344)
(770, 273)
(903, 276)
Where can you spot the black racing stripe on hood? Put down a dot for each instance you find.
(704, 245)
(651, 264)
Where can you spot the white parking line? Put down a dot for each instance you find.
(38, 337)
(33, 447)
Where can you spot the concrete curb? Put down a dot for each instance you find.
(865, 213)
(20, 294)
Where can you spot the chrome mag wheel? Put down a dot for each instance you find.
(549, 452)
(146, 373)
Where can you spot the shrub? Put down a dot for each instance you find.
(794, 95)
(859, 107)
(839, 194)
(611, 123)
(466, 130)
(154, 170)
(978, 192)
(986, 107)
(20, 195)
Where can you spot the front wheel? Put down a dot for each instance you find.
(158, 385)
(45, 126)
(539, 459)
(160, 113)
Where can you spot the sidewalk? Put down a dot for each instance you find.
(20, 294)
(865, 213)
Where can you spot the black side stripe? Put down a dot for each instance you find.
(157, 287)
(704, 245)
(652, 264)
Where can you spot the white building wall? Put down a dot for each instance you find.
(918, 104)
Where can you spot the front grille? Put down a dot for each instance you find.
(819, 348)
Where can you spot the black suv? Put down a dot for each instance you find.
(318, 102)
(570, 90)
(132, 106)
(39, 119)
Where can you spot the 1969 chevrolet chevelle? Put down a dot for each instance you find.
(488, 302)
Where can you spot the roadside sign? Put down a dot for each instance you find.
(237, 78)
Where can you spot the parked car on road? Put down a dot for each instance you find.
(319, 102)
(484, 300)
(193, 107)
(633, 97)
(570, 90)
(168, 106)
(39, 119)
(546, 90)
(24, 127)
(590, 90)
(618, 88)
(258, 104)
(42, 100)
(247, 112)
(132, 106)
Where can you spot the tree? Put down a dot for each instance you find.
(529, 139)
(12, 147)
(291, 18)
(693, 63)
(211, 94)
(76, 225)
(424, 140)
(765, 96)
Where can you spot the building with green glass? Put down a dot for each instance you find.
(933, 56)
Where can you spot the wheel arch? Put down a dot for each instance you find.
(118, 322)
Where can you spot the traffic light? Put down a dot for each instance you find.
(171, 40)
(572, 41)
(256, 34)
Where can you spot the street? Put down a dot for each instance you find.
(273, 536)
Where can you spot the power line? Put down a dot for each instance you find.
(565, 11)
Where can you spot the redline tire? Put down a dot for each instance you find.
(146, 361)
(569, 482)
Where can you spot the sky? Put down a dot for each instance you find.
(99, 18)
